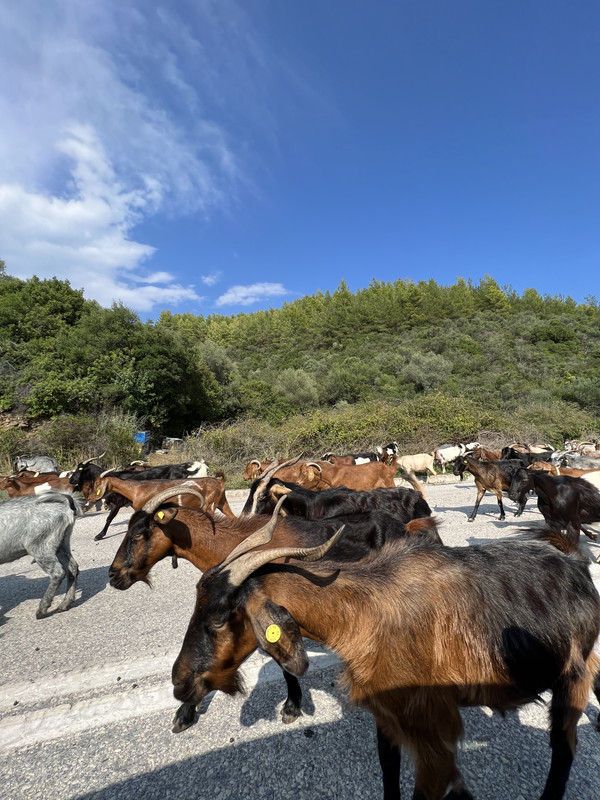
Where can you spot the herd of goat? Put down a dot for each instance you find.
(333, 550)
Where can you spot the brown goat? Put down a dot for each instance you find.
(374, 475)
(26, 484)
(319, 475)
(158, 531)
(494, 476)
(253, 469)
(140, 492)
(341, 461)
(422, 630)
(483, 454)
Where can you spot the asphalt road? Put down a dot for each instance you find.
(86, 704)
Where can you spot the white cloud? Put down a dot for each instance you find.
(210, 280)
(110, 116)
(157, 277)
(246, 295)
(84, 236)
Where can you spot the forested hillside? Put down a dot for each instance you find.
(463, 358)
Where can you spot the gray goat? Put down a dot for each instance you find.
(41, 526)
(36, 464)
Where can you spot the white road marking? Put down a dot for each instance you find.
(67, 719)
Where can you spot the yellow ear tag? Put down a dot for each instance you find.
(311, 474)
(273, 633)
(160, 514)
(98, 492)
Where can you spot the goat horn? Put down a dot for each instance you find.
(250, 562)
(315, 465)
(95, 458)
(162, 497)
(255, 461)
(259, 486)
(275, 467)
(261, 536)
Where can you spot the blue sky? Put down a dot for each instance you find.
(217, 156)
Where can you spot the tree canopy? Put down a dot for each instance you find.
(392, 341)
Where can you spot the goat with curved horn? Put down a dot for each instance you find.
(162, 497)
(247, 563)
(256, 539)
(259, 486)
(275, 467)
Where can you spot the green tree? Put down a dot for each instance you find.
(298, 389)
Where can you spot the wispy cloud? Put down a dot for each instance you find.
(84, 236)
(210, 280)
(112, 115)
(247, 295)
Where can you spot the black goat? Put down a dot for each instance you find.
(509, 453)
(85, 474)
(566, 503)
(405, 504)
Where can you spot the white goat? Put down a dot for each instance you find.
(419, 462)
(446, 453)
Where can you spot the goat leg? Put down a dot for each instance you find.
(480, 493)
(113, 513)
(389, 761)
(54, 569)
(72, 570)
(590, 534)
(502, 514)
(568, 700)
(291, 708)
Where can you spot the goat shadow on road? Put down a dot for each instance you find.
(499, 758)
(110, 534)
(254, 708)
(15, 589)
(487, 509)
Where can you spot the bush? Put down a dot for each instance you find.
(71, 438)
(13, 443)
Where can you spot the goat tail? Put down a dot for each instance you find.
(562, 543)
(413, 480)
(424, 526)
(220, 475)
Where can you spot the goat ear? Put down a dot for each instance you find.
(278, 633)
(164, 515)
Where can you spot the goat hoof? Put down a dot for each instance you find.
(290, 715)
(40, 614)
(98, 536)
(184, 718)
